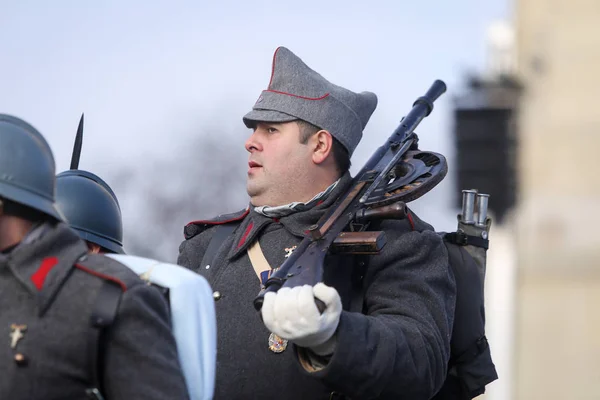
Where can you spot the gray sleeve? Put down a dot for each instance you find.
(141, 360)
(401, 347)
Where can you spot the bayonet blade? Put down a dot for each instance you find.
(77, 145)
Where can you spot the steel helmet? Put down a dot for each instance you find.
(27, 167)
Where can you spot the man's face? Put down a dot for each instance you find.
(277, 158)
(94, 248)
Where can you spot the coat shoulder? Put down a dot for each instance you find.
(194, 228)
(412, 237)
(198, 235)
(108, 269)
(412, 223)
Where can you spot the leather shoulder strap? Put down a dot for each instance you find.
(103, 315)
(222, 232)
(259, 262)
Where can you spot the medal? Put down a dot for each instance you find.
(277, 344)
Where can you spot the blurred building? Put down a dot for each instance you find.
(557, 337)
(535, 106)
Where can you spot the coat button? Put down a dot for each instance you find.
(217, 295)
(20, 359)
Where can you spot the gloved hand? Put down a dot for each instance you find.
(292, 314)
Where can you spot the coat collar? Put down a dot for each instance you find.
(296, 223)
(44, 259)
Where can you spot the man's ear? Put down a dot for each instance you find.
(321, 143)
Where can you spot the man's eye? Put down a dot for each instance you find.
(271, 130)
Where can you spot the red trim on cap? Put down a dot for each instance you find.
(105, 277)
(288, 94)
(40, 275)
(245, 236)
(273, 66)
(300, 97)
(410, 220)
(209, 222)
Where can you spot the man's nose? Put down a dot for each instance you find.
(253, 143)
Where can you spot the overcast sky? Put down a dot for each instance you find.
(149, 74)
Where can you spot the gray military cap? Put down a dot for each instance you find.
(295, 91)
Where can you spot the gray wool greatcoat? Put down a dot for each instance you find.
(398, 350)
(42, 289)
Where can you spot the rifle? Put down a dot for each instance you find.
(397, 173)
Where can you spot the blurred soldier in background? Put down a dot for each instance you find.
(92, 209)
(50, 290)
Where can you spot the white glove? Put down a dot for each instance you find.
(292, 314)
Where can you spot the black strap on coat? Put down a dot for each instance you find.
(219, 236)
(103, 315)
(462, 239)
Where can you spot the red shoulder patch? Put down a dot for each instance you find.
(102, 276)
(40, 275)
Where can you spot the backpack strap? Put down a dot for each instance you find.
(462, 239)
(104, 311)
(221, 233)
(359, 269)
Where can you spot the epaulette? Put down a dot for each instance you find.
(108, 269)
(96, 265)
(196, 227)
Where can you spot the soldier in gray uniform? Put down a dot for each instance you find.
(49, 288)
(305, 130)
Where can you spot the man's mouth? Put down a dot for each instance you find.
(253, 166)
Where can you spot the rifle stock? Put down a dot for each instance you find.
(398, 172)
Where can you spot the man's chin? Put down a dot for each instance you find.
(258, 199)
(255, 195)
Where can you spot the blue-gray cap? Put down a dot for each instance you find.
(295, 91)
